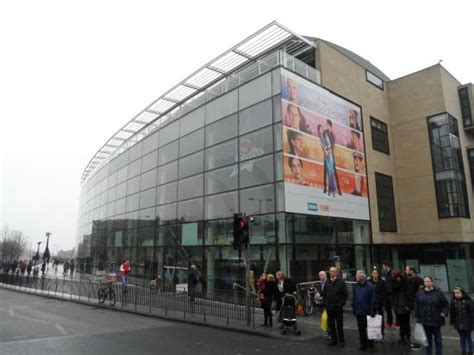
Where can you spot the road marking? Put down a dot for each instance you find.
(11, 313)
(19, 337)
(61, 329)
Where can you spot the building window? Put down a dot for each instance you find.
(448, 169)
(385, 203)
(470, 157)
(379, 136)
(465, 106)
(374, 79)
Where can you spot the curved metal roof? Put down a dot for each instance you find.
(354, 57)
(269, 38)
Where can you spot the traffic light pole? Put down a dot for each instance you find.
(246, 256)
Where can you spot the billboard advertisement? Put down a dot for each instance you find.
(324, 154)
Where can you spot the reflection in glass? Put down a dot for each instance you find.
(190, 187)
(258, 200)
(221, 206)
(221, 155)
(190, 165)
(256, 172)
(221, 180)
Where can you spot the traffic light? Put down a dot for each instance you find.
(241, 231)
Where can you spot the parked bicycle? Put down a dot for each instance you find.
(106, 291)
(311, 299)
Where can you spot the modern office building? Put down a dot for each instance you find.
(328, 154)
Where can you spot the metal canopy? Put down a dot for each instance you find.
(262, 42)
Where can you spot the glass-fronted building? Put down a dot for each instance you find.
(256, 131)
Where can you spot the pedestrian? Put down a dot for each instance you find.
(387, 276)
(285, 285)
(413, 285)
(379, 285)
(461, 317)
(157, 282)
(125, 270)
(66, 267)
(400, 306)
(29, 267)
(364, 303)
(72, 266)
(193, 280)
(14, 266)
(323, 277)
(262, 280)
(23, 266)
(268, 294)
(335, 297)
(431, 309)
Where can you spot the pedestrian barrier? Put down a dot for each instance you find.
(221, 306)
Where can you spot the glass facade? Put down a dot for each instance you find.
(448, 167)
(169, 200)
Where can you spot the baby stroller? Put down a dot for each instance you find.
(288, 314)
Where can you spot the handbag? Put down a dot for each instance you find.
(420, 335)
(324, 321)
(374, 327)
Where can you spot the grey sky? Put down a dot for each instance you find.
(73, 72)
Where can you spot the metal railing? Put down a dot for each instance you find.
(219, 306)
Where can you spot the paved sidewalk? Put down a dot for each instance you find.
(199, 314)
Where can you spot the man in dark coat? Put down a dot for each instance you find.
(413, 285)
(364, 303)
(335, 297)
(193, 280)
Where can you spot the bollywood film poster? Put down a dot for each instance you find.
(324, 155)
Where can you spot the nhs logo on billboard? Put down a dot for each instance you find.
(313, 206)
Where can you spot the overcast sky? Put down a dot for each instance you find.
(73, 72)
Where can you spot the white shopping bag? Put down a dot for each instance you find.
(374, 327)
(420, 335)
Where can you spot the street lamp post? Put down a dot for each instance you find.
(47, 254)
(37, 256)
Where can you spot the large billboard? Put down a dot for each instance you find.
(324, 155)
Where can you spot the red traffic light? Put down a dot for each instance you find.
(242, 222)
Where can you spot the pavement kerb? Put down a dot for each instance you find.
(158, 316)
(244, 329)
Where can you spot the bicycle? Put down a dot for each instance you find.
(311, 299)
(106, 291)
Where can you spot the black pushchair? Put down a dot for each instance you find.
(288, 314)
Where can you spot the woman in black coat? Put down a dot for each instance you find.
(380, 291)
(461, 315)
(400, 306)
(431, 309)
(268, 295)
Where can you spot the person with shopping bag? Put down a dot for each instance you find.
(380, 291)
(364, 304)
(461, 317)
(335, 297)
(431, 309)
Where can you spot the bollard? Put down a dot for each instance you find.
(90, 291)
